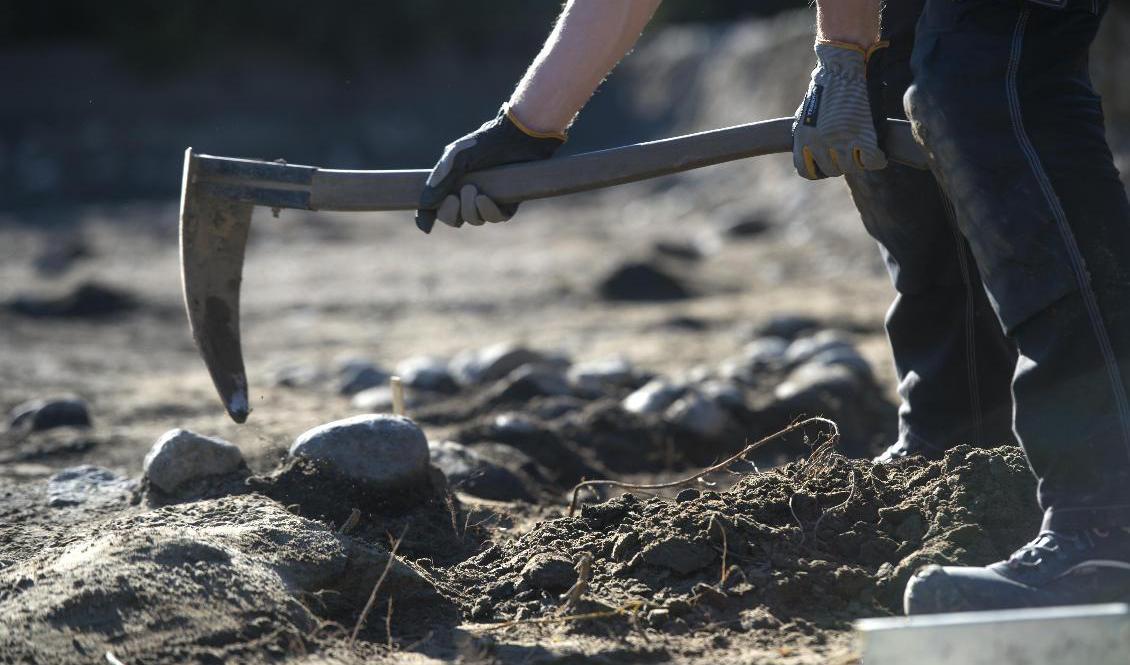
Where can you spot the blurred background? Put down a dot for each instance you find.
(104, 97)
(678, 275)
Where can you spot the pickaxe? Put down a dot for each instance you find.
(219, 193)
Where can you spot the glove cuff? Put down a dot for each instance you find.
(527, 130)
(865, 51)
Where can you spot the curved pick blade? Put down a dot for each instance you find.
(213, 238)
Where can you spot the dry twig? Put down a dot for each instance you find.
(376, 588)
(717, 521)
(572, 597)
(388, 623)
(833, 437)
(350, 522)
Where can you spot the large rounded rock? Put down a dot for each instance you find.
(43, 414)
(384, 450)
(181, 456)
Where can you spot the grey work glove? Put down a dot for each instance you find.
(502, 140)
(835, 131)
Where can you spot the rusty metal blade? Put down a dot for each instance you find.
(213, 238)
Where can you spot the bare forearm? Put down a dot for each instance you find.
(590, 37)
(849, 21)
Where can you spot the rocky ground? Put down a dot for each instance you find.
(637, 334)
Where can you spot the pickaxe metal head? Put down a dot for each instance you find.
(213, 238)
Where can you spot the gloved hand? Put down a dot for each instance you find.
(835, 131)
(503, 140)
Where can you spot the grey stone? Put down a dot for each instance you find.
(599, 375)
(725, 394)
(528, 382)
(470, 472)
(43, 414)
(642, 282)
(493, 362)
(804, 349)
(88, 484)
(746, 227)
(385, 450)
(514, 423)
(697, 415)
(181, 456)
(810, 378)
(655, 396)
(760, 355)
(549, 572)
(847, 356)
(683, 250)
(765, 351)
(426, 373)
(788, 326)
(357, 376)
(294, 376)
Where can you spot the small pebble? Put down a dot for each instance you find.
(688, 494)
(181, 456)
(358, 376)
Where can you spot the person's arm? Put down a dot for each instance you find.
(835, 130)
(848, 21)
(590, 37)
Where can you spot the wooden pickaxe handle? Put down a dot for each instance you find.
(280, 185)
(219, 194)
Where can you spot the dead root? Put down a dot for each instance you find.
(818, 460)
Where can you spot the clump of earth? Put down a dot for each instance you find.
(822, 540)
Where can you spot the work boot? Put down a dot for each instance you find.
(1057, 568)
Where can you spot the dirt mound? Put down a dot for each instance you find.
(432, 522)
(822, 540)
(237, 578)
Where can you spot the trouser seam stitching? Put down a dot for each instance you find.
(1078, 265)
(970, 329)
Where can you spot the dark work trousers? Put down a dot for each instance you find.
(953, 361)
(1001, 97)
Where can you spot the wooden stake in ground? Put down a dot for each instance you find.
(397, 387)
